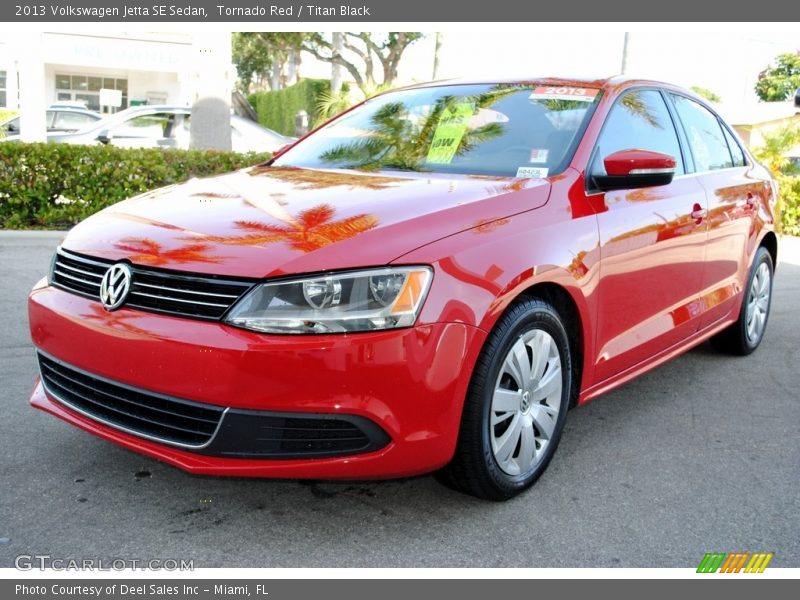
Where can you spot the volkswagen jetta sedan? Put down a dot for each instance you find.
(426, 283)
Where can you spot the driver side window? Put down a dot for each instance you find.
(639, 120)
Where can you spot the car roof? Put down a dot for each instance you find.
(170, 108)
(603, 82)
(164, 107)
(74, 109)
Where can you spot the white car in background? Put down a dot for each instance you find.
(165, 126)
(60, 118)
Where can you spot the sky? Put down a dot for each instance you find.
(728, 63)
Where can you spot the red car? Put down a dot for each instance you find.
(426, 283)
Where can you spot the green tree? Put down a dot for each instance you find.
(251, 58)
(370, 59)
(267, 57)
(777, 83)
(773, 154)
(706, 93)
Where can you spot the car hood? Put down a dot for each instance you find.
(269, 221)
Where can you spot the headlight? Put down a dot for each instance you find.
(366, 300)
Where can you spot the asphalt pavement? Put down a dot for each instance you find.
(701, 455)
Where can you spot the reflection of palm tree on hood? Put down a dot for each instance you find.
(311, 230)
(251, 189)
(316, 179)
(122, 323)
(394, 143)
(149, 252)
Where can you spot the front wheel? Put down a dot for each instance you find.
(516, 405)
(744, 336)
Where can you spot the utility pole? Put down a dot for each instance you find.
(436, 50)
(625, 53)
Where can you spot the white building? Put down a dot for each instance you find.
(145, 68)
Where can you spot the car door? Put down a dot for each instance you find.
(652, 242)
(151, 130)
(733, 197)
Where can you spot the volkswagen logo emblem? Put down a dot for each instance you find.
(115, 286)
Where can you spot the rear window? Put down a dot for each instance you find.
(501, 130)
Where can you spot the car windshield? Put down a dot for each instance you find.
(501, 130)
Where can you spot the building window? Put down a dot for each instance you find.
(3, 98)
(86, 89)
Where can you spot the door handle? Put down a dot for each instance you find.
(698, 213)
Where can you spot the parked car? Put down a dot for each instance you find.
(162, 126)
(59, 119)
(797, 98)
(426, 283)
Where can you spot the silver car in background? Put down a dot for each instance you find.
(166, 126)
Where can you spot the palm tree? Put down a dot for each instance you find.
(635, 104)
(311, 230)
(397, 142)
(149, 252)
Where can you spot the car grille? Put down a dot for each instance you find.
(150, 415)
(156, 290)
(205, 428)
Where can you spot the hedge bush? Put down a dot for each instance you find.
(789, 207)
(276, 110)
(57, 185)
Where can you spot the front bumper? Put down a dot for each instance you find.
(409, 384)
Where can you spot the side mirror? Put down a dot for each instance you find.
(104, 137)
(632, 169)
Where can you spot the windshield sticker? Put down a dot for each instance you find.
(533, 172)
(550, 92)
(449, 132)
(538, 156)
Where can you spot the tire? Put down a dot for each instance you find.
(509, 433)
(744, 336)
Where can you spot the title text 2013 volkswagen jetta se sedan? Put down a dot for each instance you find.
(426, 283)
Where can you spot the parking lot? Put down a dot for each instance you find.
(701, 455)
